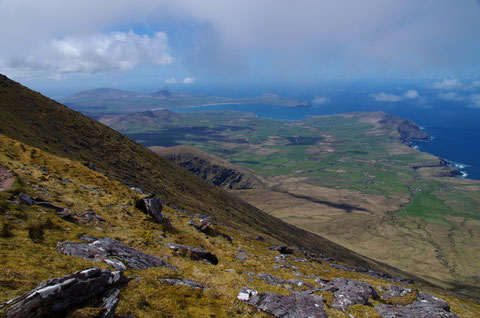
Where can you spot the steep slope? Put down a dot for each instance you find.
(37, 121)
(210, 168)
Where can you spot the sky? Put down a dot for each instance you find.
(61, 46)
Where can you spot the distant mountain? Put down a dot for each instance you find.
(110, 100)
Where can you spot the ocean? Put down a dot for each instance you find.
(454, 127)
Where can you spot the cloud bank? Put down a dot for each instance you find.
(274, 37)
(115, 51)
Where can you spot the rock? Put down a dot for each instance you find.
(183, 281)
(294, 305)
(425, 306)
(64, 213)
(153, 206)
(349, 292)
(89, 216)
(381, 275)
(195, 253)
(243, 256)
(57, 296)
(272, 280)
(259, 238)
(88, 238)
(281, 258)
(282, 249)
(109, 303)
(298, 283)
(203, 223)
(227, 237)
(116, 263)
(25, 199)
(106, 248)
(396, 291)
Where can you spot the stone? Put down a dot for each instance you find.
(195, 253)
(203, 224)
(57, 296)
(109, 303)
(153, 206)
(183, 281)
(396, 291)
(272, 280)
(294, 305)
(425, 306)
(107, 248)
(349, 292)
(242, 256)
(89, 216)
(282, 249)
(25, 199)
(227, 237)
(259, 238)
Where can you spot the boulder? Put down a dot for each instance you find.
(194, 253)
(242, 256)
(294, 305)
(396, 291)
(153, 206)
(272, 280)
(282, 249)
(107, 248)
(57, 296)
(425, 306)
(203, 224)
(25, 199)
(183, 281)
(349, 292)
(89, 216)
(109, 303)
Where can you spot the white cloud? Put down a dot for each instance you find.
(411, 94)
(94, 53)
(320, 100)
(475, 100)
(171, 80)
(451, 96)
(448, 84)
(188, 80)
(392, 98)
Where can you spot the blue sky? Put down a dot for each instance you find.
(60, 47)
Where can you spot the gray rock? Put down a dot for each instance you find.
(282, 249)
(294, 305)
(195, 253)
(203, 224)
(64, 213)
(396, 291)
(57, 296)
(242, 256)
(298, 283)
(89, 216)
(259, 238)
(109, 303)
(183, 281)
(25, 199)
(153, 206)
(106, 248)
(272, 280)
(349, 292)
(425, 306)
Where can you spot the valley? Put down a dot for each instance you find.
(350, 177)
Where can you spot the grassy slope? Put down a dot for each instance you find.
(37, 121)
(27, 260)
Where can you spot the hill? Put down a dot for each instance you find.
(111, 100)
(216, 171)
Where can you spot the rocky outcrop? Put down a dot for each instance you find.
(203, 224)
(349, 292)
(111, 251)
(282, 249)
(153, 206)
(7, 177)
(64, 213)
(194, 253)
(89, 216)
(425, 306)
(285, 306)
(211, 168)
(57, 296)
